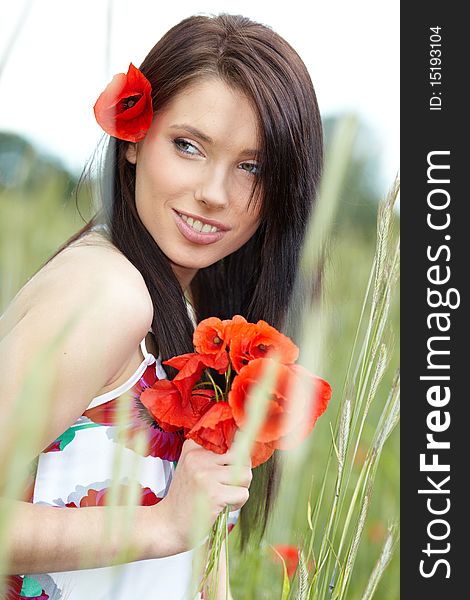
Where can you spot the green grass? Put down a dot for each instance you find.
(254, 575)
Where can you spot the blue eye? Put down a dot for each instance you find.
(252, 169)
(184, 146)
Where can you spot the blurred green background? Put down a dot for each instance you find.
(39, 210)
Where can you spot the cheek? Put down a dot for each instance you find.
(160, 177)
(248, 228)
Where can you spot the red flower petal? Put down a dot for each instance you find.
(190, 371)
(290, 554)
(318, 404)
(208, 337)
(180, 361)
(275, 422)
(241, 334)
(260, 453)
(216, 429)
(171, 411)
(249, 341)
(163, 400)
(267, 339)
(124, 109)
(286, 415)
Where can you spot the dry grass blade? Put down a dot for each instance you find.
(382, 563)
(360, 392)
(354, 546)
(305, 321)
(302, 592)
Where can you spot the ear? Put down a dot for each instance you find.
(131, 153)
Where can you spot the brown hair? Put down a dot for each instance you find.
(256, 281)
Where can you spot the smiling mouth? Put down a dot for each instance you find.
(201, 225)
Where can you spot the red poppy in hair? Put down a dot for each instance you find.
(124, 109)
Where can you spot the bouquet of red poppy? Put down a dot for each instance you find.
(203, 411)
(211, 416)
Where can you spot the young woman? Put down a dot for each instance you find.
(204, 216)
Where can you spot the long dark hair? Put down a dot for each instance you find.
(256, 281)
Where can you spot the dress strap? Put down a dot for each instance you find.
(148, 357)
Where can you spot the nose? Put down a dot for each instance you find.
(212, 189)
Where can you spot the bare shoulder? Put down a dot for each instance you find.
(91, 265)
(92, 307)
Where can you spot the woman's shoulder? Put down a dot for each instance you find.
(91, 310)
(93, 260)
(90, 263)
(93, 252)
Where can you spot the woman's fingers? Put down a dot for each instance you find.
(235, 496)
(237, 477)
(230, 458)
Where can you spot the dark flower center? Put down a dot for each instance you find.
(130, 101)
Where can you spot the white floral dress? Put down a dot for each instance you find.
(76, 471)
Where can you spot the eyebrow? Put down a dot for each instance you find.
(205, 138)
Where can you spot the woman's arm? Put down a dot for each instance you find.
(45, 539)
(110, 303)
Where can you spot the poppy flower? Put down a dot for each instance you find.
(124, 109)
(210, 337)
(284, 413)
(290, 555)
(216, 428)
(249, 341)
(191, 367)
(261, 452)
(170, 409)
(321, 391)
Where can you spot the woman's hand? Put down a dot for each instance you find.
(202, 472)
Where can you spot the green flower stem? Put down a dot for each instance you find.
(202, 384)
(216, 388)
(228, 372)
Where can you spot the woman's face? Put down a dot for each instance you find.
(198, 160)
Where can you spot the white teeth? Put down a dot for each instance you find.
(198, 226)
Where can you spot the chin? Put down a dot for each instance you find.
(191, 265)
